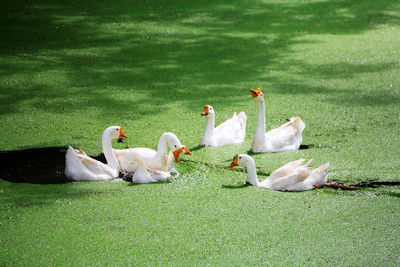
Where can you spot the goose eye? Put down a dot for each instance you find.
(175, 146)
(116, 129)
(261, 94)
(240, 157)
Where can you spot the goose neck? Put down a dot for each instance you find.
(252, 173)
(108, 152)
(162, 147)
(260, 117)
(210, 125)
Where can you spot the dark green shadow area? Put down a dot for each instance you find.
(151, 51)
(196, 148)
(235, 186)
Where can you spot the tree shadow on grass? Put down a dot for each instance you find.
(166, 52)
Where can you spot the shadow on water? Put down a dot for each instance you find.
(196, 148)
(374, 184)
(137, 184)
(302, 147)
(35, 166)
(306, 146)
(235, 186)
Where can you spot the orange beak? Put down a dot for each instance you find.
(187, 152)
(234, 162)
(255, 93)
(176, 153)
(205, 111)
(121, 134)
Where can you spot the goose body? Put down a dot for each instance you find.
(144, 175)
(232, 131)
(151, 159)
(284, 138)
(81, 167)
(291, 177)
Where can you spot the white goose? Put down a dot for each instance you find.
(284, 138)
(232, 131)
(152, 159)
(291, 177)
(81, 167)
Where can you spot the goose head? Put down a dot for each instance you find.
(257, 94)
(208, 110)
(114, 132)
(241, 160)
(176, 146)
(181, 150)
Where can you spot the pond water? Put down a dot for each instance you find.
(36, 165)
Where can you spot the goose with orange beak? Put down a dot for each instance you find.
(232, 131)
(292, 176)
(152, 159)
(81, 167)
(284, 138)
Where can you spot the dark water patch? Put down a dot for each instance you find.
(306, 146)
(366, 184)
(374, 184)
(36, 165)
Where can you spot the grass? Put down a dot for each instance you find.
(69, 70)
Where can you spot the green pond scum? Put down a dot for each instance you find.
(70, 69)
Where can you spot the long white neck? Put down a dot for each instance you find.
(162, 148)
(252, 173)
(210, 125)
(260, 118)
(108, 151)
